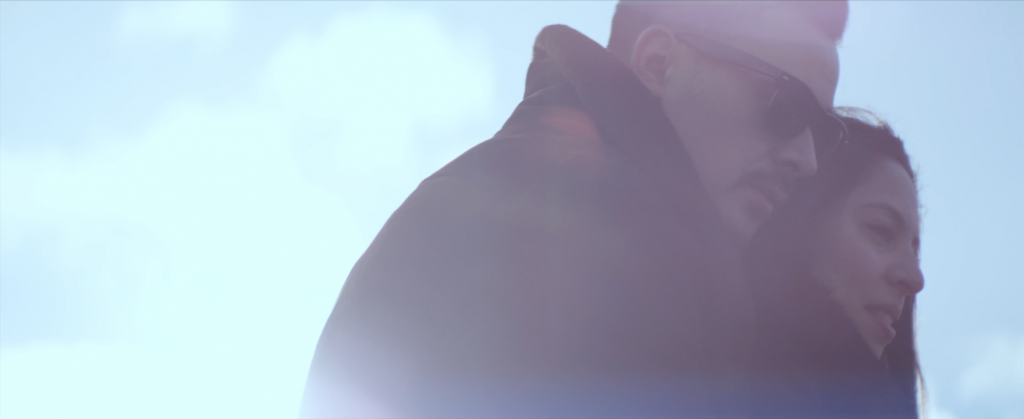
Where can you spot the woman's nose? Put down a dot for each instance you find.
(907, 278)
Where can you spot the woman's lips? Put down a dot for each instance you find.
(884, 316)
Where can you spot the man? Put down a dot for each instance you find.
(583, 261)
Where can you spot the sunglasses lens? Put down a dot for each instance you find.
(828, 134)
(794, 108)
(788, 114)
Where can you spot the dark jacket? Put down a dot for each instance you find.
(570, 266)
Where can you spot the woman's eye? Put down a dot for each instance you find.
(881, 232)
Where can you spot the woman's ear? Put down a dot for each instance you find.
(654, 53)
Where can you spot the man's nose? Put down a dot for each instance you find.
(798, 155)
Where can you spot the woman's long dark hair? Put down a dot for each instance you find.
(793, 310)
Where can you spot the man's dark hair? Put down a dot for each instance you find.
(633, 17)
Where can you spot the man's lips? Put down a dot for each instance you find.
(772, 190)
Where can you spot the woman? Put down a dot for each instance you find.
(834, 275)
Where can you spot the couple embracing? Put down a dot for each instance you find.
(680, 224)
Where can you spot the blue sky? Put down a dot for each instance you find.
(184, 186)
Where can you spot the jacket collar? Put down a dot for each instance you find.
(569, 69)
(628, 117)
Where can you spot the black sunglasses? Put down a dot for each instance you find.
(792, 108)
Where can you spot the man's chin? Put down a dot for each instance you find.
(743, 214)
(741, 228)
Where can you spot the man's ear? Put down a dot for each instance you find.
(653, 54)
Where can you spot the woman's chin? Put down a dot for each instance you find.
(876, 339)
(877, 350)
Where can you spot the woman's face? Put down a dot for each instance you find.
(865, 252)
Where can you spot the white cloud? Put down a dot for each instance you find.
(125, 380)
(368, 82)
(996, 377)
(935, 412)
(207, 24)
(246, 217)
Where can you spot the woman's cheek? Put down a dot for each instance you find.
(856, 262)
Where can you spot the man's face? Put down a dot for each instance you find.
(718, 110)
